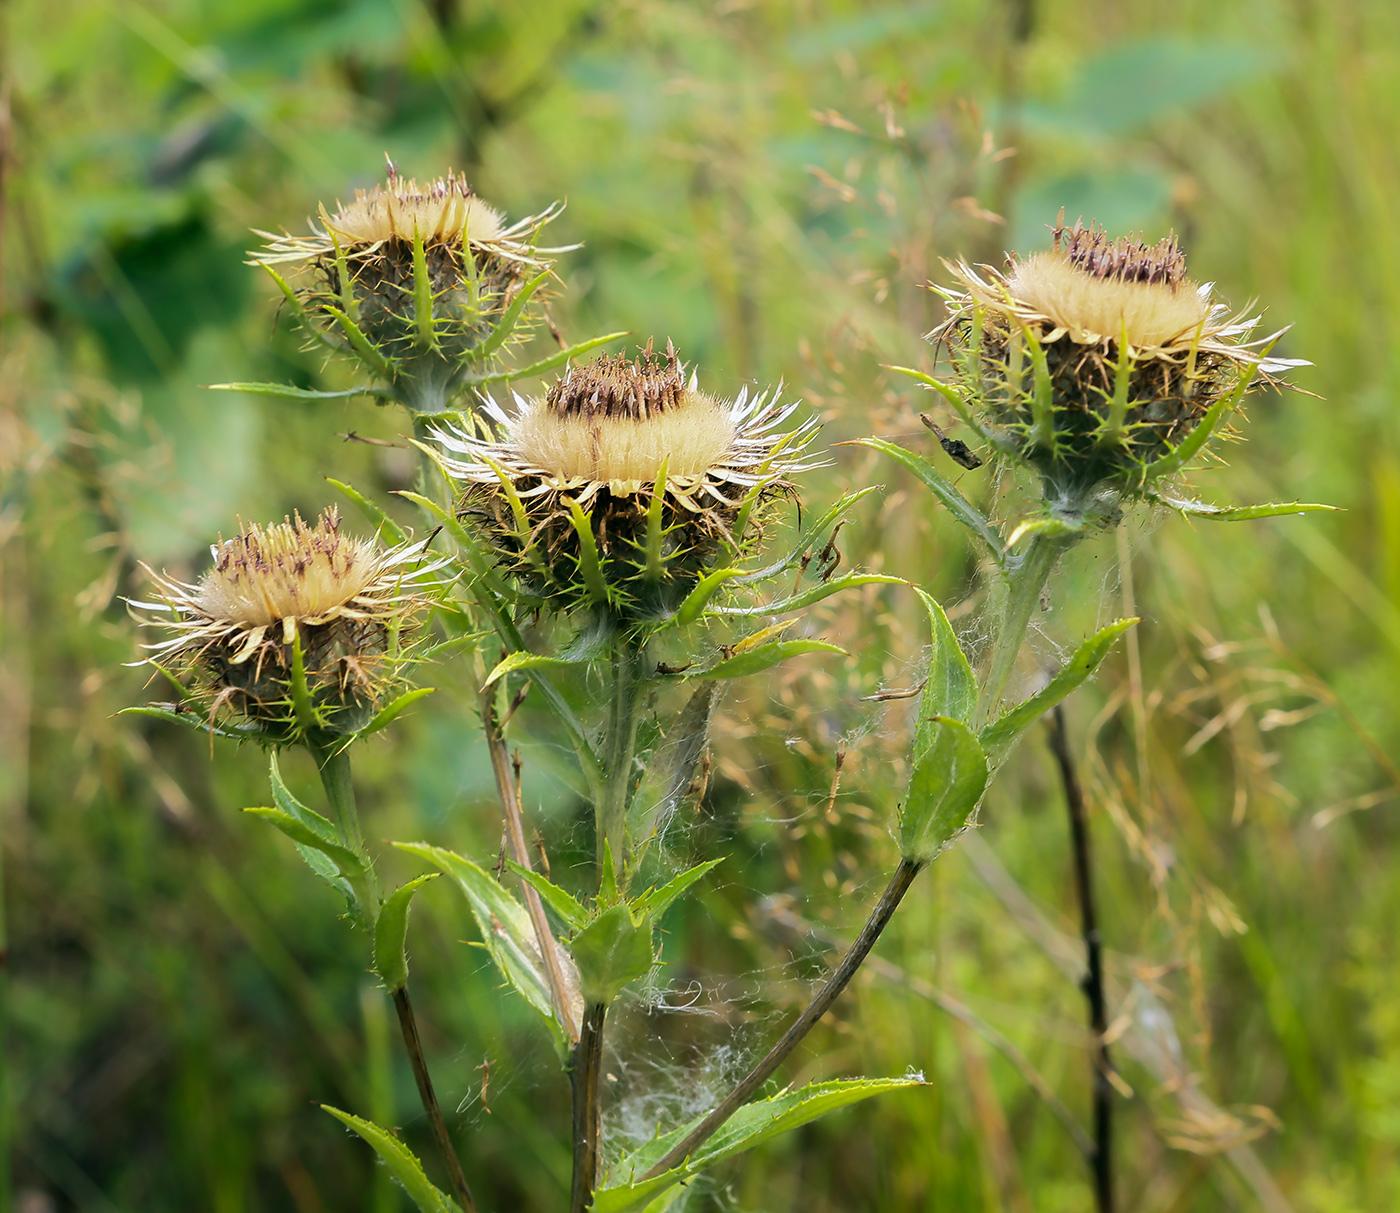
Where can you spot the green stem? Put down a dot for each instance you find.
(332, 758)
(585, 1072)
(625, 677)
(1024, 583)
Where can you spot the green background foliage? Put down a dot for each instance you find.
(770, 184)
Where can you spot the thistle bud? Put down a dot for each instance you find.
(412, 280)
(295, 627)
(1092, 362)
(624, 483)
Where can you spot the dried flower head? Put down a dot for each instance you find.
(622, 484)
(412, 279)
(1094, 360)
(290, 602)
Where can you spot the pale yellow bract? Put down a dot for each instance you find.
(440, 211)
(285, 571)
(1092, 308)
(690, 438)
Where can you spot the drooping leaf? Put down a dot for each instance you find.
(323, 864)
(947, 779)
(959, 506)
(765, 656)
(504, 925)
(612, 950)
(288, 392)
(951, 689)
(998, 737)
(194, 722)
(753, 1124)
(347, 863)
(391, 934)
(402, 1163)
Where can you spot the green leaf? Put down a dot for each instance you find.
(347, 863)
(391, 933)
(315, 856)
(288, 392)
(1173, 462)
(951, 689)
(394, 709)
(561, 901)
(194, 722)
(612, 950)
(506, 324)
(589, 566)
(403, 1164)
(699, 598)
(388, 530)
(1238, 513)
(958, 401)
(526, 661)
(446, 517)
(544, 364)
(812, 596)
(504, 925)
(959, 506)
(948, 778)
(998, 737)
(750, 1126)
(766, 655)
(364, 348)
(655, 902)
(809, 537)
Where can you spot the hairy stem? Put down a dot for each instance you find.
(625, 675)
(332, 757)
(408, 1025)
(515, 835)
(584, 1074)
(1024, 584)
(1101, 1158)
(839, 979)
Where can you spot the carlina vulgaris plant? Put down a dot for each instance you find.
(426, 287)
(619, 502)
(1102, 370)
(300, 635)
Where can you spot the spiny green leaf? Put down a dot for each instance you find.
(752, 1125)
(1238, 513)
(588, 564)
(811, 597)
(393, 709)
(561, 901)
(288, 392)
(403, 1164)
(765, 656)
(389, 530)
(998, 737)
(391, 933)
(506, 324)
(612, 950)
(515, 662)
(544, 364)
(345, 860)
(705, 589)
(948, 777)
(959, 506)
(505, 929)
(1051, 528)
(657, 901)
(194, 722)
(951, 689)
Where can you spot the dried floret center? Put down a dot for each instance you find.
(285, 571)
(442, 211)
(619, 388)
(691, 436)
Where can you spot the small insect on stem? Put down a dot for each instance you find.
(956, 449)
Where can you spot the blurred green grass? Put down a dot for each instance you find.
(769, 184)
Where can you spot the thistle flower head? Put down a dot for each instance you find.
(293, 611)
(411, 279)
(623, 483)
(1093, 361)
